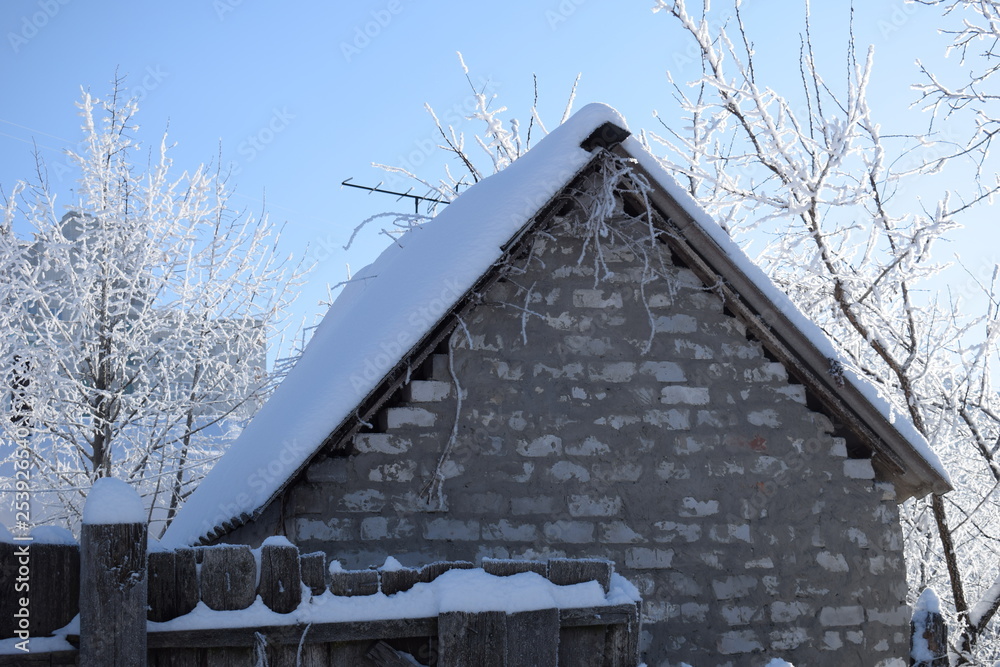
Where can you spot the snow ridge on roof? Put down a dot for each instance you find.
(377, 318)
(390, 304)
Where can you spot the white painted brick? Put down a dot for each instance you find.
(618, 532)
(832, 562)
(786, 640)
(767, 418)
(836, 616)
(663, 371)
(619, 371)
(401, 471)
(594, 298)
(735, 587)
(743, 641)
(678, 420)
(831, 641)
(859, 469)
(738, 615)
(839, 448)
(898, 616)
(692, 507)
(451, 529)
(364, 500)
(582, 505)
(642, 558)
(675, 324)
(688, 532)
(588, 447)
(796, 392)
(674, 394)
(546, 445)
(400, 417)
(575, 532)
(427, 391)
(532, 505)
(784, 612)
(564, 470)
(324, 530)
(510, 532)
(382, 443)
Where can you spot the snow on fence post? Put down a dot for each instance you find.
(928, 632)
(113, 582)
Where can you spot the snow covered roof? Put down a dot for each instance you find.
(391, 308)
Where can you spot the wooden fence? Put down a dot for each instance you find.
(225, 578)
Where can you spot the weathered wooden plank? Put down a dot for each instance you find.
(9, 604)
(112, 594)
(280, 585)
(504, 568)
(622, 647)
(583, 616)
(55, 586)
(384, 655)
(472, 639)
(582, 646)
(286, 634)
(567, 571)
(228, 577)
(313, 568)
(432, 571)
(397, 581)
(349, 583)
(348, 653)
(533, 638)
(173, 584)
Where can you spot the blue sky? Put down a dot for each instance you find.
(301, 95)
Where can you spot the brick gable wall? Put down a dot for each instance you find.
(694, 464)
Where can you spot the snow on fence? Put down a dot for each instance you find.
(229, 604)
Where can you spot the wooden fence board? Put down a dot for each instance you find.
(582, 646)
(55, 586)
(173, 584)
(280, 584)
(466, 638)
(533, 638)
(313, 567)
(228, 577)
(354, 582)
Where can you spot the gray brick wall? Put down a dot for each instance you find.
(695, 466)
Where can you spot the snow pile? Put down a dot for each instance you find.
(454, 590)
(51, 535)
(113, 501)
(35, 645)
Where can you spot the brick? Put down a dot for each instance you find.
(533, 505)
(451, 530)
(619, 532)
(402, 417)
(575, 532)
(324, 530)
(675, 324)
(838, 616)
(328, 470)
(735, 642)
(364, 500)
(381, 528)
(643, 558)
(564, 471)
(663, 371)
(583, 505)
(426, 391)
(382, 443)
(734, 587)
(859, 469)
(509, 532)
(546, 445)
(402, 471)
(594, 298)
(674, 394)
(620, 371)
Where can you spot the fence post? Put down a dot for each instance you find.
(113, 583)
(928, 632)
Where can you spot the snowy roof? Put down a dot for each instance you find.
(391, 305)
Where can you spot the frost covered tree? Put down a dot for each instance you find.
(135, 319)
